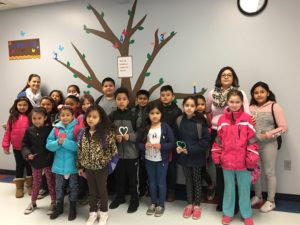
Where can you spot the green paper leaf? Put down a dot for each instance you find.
(89, 86)
(86, 92)
(102, 14)
(161, 80)
(75, 75)
(89, 78)
(89, 7)
(148, 56)
(129, 12)
(141, 28)
(172, 33)
(132, 41)
(147, 74)
(68, 64)
(83, 56)
(175, 101)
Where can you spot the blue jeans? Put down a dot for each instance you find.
(244, 183)
(157, 175)
(60, 185)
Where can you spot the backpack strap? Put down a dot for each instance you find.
(76, 131)
(56, 130)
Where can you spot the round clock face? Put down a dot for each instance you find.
(251, 7)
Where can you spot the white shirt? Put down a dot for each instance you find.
(153, 138)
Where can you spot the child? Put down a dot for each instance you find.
(142, 99)
(156, 141)
(201, 106)
(85, 102)
(107, 100)
(193, 141)
(40, 159)
(57, 96)
(270, 124)
(64, 144)
(73, 90)
(124, 120)
(236, 152)
(16, 126)
(49, 104)
(32, 90)
(96, 148)
(170, 112)
(73, 102)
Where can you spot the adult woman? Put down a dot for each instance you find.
(216, 103)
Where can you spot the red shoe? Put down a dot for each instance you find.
(188, 210)
(196, 213)
(248, 221)
(226, 220)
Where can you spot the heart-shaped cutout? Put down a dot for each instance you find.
(181, 144)
(123, 130)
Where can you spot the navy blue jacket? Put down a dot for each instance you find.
(167, 142)
(196, 148)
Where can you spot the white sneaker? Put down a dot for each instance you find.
(267, 207)
(256, 200)
(103, 218)
(30, 209)
(92, 218)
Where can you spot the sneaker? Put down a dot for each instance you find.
(226, 220)
(196, 213)
(115, 203)
(267, 207)
(211, 193)
(248, 221)
(31, 207)
(51, 209)
(151, 210)
(42, 194)
(92, 218)
(187, 212)
(256, 200)
(159, 211)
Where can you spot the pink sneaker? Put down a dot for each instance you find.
(248, 221)
(188, 210)
(196, 213)
(226, 220)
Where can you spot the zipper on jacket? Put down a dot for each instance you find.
(239, 130)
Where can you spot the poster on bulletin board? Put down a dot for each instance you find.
(124, 66)
(24, 49)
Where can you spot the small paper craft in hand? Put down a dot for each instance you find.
(123, 130)
(181, 144)
(62, 135)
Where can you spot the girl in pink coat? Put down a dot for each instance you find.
(236, 151)
(15, 129)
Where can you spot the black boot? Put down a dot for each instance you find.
(133, 205)
(115, 203)
(59, 210)
(72, 211)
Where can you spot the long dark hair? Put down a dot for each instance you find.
(147, 124)
(14, 112)
(198, 116)
(270, 97)
(102, 128)
(31, 76)
(235, 81)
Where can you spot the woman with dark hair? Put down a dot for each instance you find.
(270, 124)
(226, 81)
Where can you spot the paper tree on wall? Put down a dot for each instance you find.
(122, 45)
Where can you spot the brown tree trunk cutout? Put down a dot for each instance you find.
(123, 48)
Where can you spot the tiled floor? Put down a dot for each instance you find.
(11, 211)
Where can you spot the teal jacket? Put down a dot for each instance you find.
(66, 154)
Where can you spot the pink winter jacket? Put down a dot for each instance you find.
(14, 135)
(235, 147)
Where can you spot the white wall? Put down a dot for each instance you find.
(211, 34)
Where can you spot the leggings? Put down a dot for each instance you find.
(21, 165)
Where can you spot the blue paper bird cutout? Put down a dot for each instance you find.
(22, 33)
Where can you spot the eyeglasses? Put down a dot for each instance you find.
(226, 75)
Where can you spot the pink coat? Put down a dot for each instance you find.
(235, 147)
(14, 135)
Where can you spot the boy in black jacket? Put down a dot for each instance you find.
(170, 112)
(124, 120)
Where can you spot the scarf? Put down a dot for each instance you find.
(35, 99)
(220, 96)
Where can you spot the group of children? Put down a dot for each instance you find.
(76, 138)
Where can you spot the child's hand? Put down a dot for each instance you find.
(119, 138)
(61, 141)
(156, 146)
(185, 151)
(30, 156)
(179, 150)
(80, 172)
(253, 117)
(125, 137)
(148, 145)
(6, 151)
(4, 126)
(263, 136)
